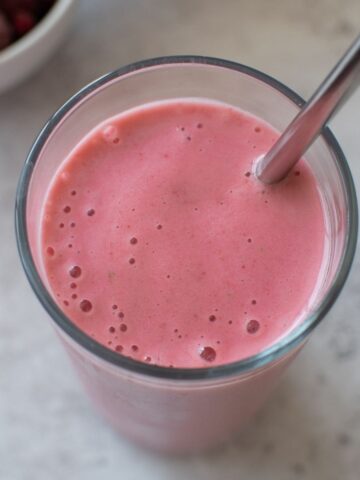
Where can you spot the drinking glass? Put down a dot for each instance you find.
(175, 409)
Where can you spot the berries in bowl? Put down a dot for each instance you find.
(18, 17)
(30, 30)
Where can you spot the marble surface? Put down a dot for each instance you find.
(310, 429)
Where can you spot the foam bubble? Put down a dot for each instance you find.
(252, 326)
(208, 354)
(75, 271)
(85, 305)
(65, 176)
(110, 134)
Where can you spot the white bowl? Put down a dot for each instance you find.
(21, 58)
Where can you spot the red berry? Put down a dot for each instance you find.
(11, 6)
(5, 32)
(23, 22)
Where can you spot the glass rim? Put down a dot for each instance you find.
(271, 353)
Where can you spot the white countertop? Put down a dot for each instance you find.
(311, 427)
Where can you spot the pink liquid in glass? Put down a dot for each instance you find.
(159, 242)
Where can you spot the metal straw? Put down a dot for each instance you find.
(302, 131)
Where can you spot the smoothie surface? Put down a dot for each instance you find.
(158, 241)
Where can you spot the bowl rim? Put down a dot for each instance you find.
(272, 353)
(36, 34)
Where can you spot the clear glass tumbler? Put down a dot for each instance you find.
(172, 409)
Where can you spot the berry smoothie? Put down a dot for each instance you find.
(158, 241)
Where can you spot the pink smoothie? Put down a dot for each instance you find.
(159, 242)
